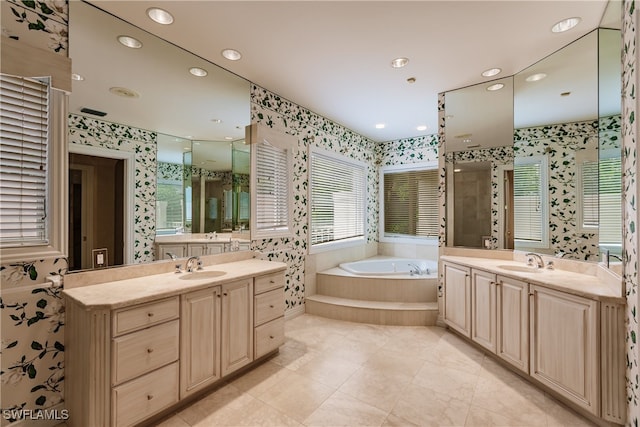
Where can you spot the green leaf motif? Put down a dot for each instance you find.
(31, 371)
(33, 273)
(632, 226)
(29, 3)
(36, 345)
(59, 346)
(40, 401)
(42, 303)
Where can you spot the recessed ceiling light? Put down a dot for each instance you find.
(124, 92)
(536, 77)
(411, 80)
(198, 72)
(160, 16)
(216, 120)
(496, 86)
(421, 128)
(565, 25)
(77, 77)
(380, 126)
(565, 94)
(457, 170)
(491, 72)
(130, 42)
(231, 54)
(399, 62)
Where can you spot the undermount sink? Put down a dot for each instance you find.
(199, 275)
(520, 268)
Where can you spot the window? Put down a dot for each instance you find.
(610, 196)
(409, 202)
(169, 206)
(33, 153)
(530, 197)
(338, 197)
(271, 183)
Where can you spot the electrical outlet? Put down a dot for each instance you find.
(100, 258)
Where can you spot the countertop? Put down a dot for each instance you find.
(123, 293)
(575, 283)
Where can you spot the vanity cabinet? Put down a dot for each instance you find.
(131, 362)
(564, 344)
(163, 250)
(457, 298)
(200, 249)
(512, 307)
(571, 344)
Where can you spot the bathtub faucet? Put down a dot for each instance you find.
(416, 270)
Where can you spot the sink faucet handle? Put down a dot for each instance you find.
(178, 268)
(199, 264)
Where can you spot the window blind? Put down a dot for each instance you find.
(528, 202)
(24, 131)
(337, 198)
(411, 203)
(610, 189)
(588, 174)
(272, 188)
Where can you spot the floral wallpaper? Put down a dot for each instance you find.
(630, 237)
(278, 113)
(85, 130)
(32, 330)
(43, 24)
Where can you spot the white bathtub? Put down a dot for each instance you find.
(387, 266)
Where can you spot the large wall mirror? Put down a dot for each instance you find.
(170, 146)
(557, 188)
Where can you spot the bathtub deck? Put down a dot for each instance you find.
(384, 299)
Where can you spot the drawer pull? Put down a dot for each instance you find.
(272, 281)
(270, 336)
(225, 294)
(270, 305)
(150, 314)
(149, 350)
(149, 396)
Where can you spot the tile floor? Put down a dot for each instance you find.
(334, 373)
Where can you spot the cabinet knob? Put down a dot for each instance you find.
(149, 396)
(225, 294)
(270, 336)
(272, 281)
(270, 305)
(150, 314)
(218, 295)
(149, 350)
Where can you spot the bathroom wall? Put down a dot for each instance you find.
(277, 113)
(630, 170)
(31, 310)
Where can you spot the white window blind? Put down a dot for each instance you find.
(610, 189)
(272, 188)
(588, 196)
(24, 131)
(529, 196)
(338, 191)
(411, 203)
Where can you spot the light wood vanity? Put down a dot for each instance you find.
(563, 330)
(137, 347)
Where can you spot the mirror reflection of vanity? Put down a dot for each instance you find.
(557, 187)
(178, 135)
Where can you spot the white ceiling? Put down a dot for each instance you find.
(333, 57)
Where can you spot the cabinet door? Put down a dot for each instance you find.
(197, 249)
(513, 322)
(200, 340)
(215, 248)
(457, 298)
(483, 309)
(564, 345)
(179, 250)
(237, 325)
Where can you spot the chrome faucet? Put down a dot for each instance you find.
(189, 265)
(415, 269)
(607, 257)
(530, 257)
(171, 255)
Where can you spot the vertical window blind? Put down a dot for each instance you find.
(528, 201)
(411, 203)
(272, 188)
(338, 190)
(610, 193)
(588, 196)
(24, 131)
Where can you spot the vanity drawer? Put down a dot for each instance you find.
(268, 282)
(140, 352)
(142, 316)
(268, 306)
(138, 399)
(269, 336)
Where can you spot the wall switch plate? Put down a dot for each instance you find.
(100, 257)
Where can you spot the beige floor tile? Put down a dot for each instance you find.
(375, 388)
(292, 356)
(481, 417)
(226, 396)
(174, 421)
(298, 397)
(395, 421)
(391, 364)
(452, 382)
(328, 369)
(423, 407)
(353, 350)
(560, 415)
(343, 410)
(262, 378)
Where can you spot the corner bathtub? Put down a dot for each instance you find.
(388, 266)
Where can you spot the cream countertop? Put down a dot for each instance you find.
(586, 285)
(200, 238)
(123, 293)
